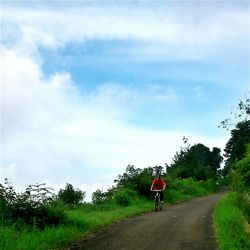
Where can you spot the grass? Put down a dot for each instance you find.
(87, 218)
(230, 223)
(186, 189)
(82, 220)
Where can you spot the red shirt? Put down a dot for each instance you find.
(158, 184)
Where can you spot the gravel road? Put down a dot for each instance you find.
(187, 225)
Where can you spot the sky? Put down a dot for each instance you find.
(88, 87)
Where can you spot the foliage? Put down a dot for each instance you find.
(98, 197)
(229, 222)
(185, 188)
(70, 195)
(235, 148)
(243, 203)
(125, 197)
(240, 114)
(33, 208)
(240, 177)
(85, 218)
(137, 179)
(195, 161)
(232, 215)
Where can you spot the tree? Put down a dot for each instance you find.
(240, 114)
(70, 195)
(137, 179)
(195, 161)
(236, 148)
(98, 197)
(241, 174)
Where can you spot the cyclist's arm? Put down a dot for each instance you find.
(152, 186)
(164, 186)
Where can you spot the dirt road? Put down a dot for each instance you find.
(187, 225)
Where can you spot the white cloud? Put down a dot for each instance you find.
(52, 132)
(165, 30)
(89, 189)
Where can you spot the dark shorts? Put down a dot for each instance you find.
(161, 195)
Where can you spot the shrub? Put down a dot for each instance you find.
(70, 195)
(124, 197)
(32, 208)
(98, 197)
(241, 175)
(210, 185)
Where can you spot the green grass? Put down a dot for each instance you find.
(48, 239)
(81, 221)
(85, 219)
(229, 222)
(186, 189)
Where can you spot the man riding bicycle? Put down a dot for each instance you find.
(160, 185)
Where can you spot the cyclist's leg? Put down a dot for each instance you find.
(162, 196)
(157, 202)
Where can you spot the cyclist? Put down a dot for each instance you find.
(159, 184)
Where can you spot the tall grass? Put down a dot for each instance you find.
(185, 189)
(50, 238)
(229, 222)
(81, 221)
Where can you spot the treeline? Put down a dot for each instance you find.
(237, 164)
(232, 214)
(196, 162)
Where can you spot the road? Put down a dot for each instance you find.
(187, 225)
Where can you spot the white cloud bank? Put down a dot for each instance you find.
(163, 30)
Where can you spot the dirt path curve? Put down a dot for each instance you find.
(187, 225)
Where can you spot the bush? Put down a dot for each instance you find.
(210, 185)
(71, 196)
(32, 208)
(241, 175)
(124, 197)
(98, 197)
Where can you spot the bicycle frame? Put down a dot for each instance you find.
(158, 204)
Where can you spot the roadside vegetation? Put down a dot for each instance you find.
(40, 219)
(232, 214)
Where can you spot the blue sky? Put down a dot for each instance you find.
(89, 87)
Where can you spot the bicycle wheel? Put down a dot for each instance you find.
(161, 205)
(157, 206)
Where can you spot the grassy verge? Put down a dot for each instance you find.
(186, 189)
(87, 218)
(82, 220)
(231, 221)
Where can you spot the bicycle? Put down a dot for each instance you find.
(158, 203)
